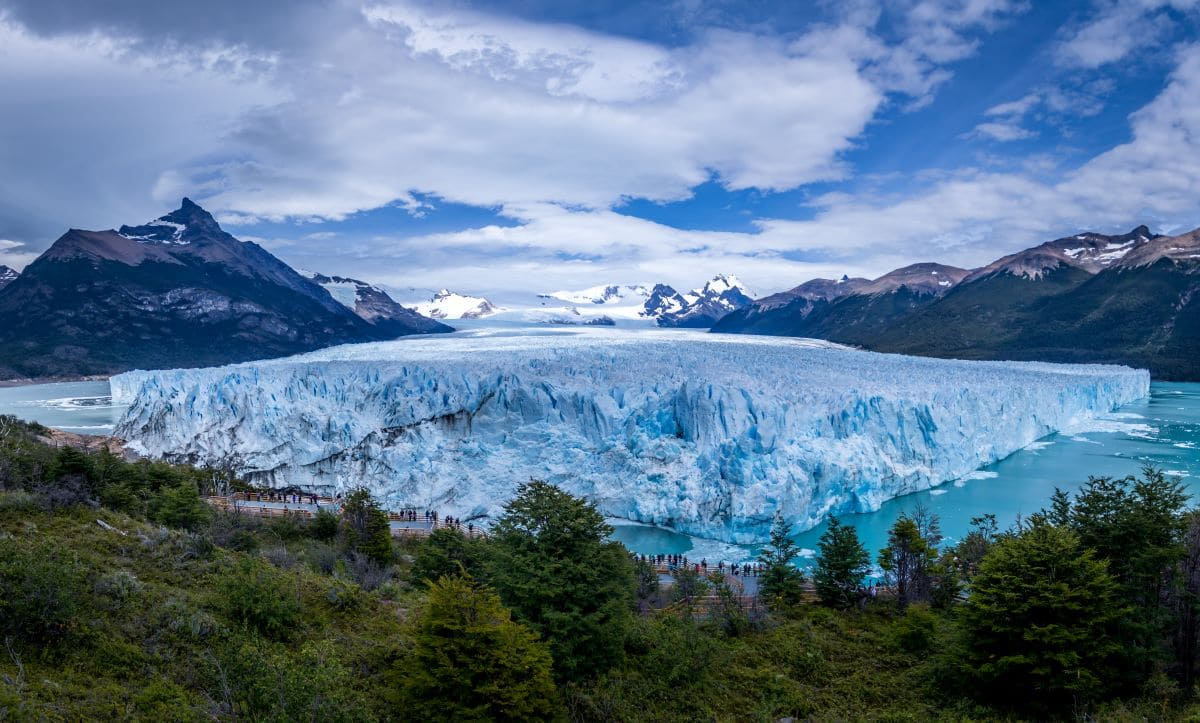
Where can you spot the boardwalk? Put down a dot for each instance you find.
(266, 505)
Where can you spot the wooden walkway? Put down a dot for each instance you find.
(263, 505)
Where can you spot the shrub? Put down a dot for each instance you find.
(41, 594)
(258, 596)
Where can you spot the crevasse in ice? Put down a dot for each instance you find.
(710, 435)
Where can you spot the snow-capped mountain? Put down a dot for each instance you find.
(177, 291)
(612, 294)
(7, 276)
(1131, 299)
(709, 435)
(1092, 252)
(372, 303)
(446, 304)
(699, 308)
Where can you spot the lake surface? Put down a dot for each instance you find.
(1162, 430)
(81, 407)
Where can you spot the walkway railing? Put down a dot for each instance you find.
(300, 506)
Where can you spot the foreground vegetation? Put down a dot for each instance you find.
(123, 596)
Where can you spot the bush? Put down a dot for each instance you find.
(181, 506)
(447, 553)
(258, 596)
(41, 594)
(915, 631)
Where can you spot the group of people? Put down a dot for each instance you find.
(677, 562)
(284, 497)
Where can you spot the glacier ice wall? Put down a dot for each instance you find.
(708, 434)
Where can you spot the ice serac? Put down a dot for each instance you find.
(710, 435)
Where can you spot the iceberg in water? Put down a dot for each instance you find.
(708, 434)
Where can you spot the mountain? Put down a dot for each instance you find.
(1132, 299)
(611, 294)
(854, 310)
(373, 304)
(446, 304)
(175, 292)
(700, 308)
(7, 276)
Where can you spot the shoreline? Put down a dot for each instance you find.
(29, 382)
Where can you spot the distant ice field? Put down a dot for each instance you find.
(711, 435)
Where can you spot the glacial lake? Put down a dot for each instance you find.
(1162, 430)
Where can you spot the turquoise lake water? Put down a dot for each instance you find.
(1162, 430)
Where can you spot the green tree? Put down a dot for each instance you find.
(472, 662)
(180, 506)
(1037, 627)
(447, 552)
(971, 550)
(1137, 525)
(781, 583)
(553, 565)
(910, 556)
(842, 562)
(366, 528)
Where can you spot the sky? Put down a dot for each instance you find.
(532, 145)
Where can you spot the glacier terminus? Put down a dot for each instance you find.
(708, 434)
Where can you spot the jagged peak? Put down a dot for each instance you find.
(180, 226)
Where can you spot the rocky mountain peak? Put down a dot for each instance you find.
(7, 276)
(181, 226)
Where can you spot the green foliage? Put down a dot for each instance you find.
(447, 552)
(909, 558)
(41, 593)
(365, 527)
(471, 662)
(970, 551)
(258, 596)
(1039, 620)
(842, 562)
(1136, 525)
(782, 583)
(915, 630)
(180, 506)
(315, 685)
(324, 525)
(554, 567)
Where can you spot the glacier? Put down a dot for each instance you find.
(711, 435)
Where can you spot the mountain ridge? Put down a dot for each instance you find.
(1130, 298)
(176, 291)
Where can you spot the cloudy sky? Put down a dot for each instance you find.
(528, 145)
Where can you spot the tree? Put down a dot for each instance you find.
(471, 662)
(971, 550)
(447, 552)
(366, 528)
(842, 562)
(553, 565)
(1137, 525)
(1184, 600)
(180, 506)
(910, 555)
(781, 583)
(1037, 627)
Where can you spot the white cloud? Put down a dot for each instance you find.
(1002, 131)
(1119, 28)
